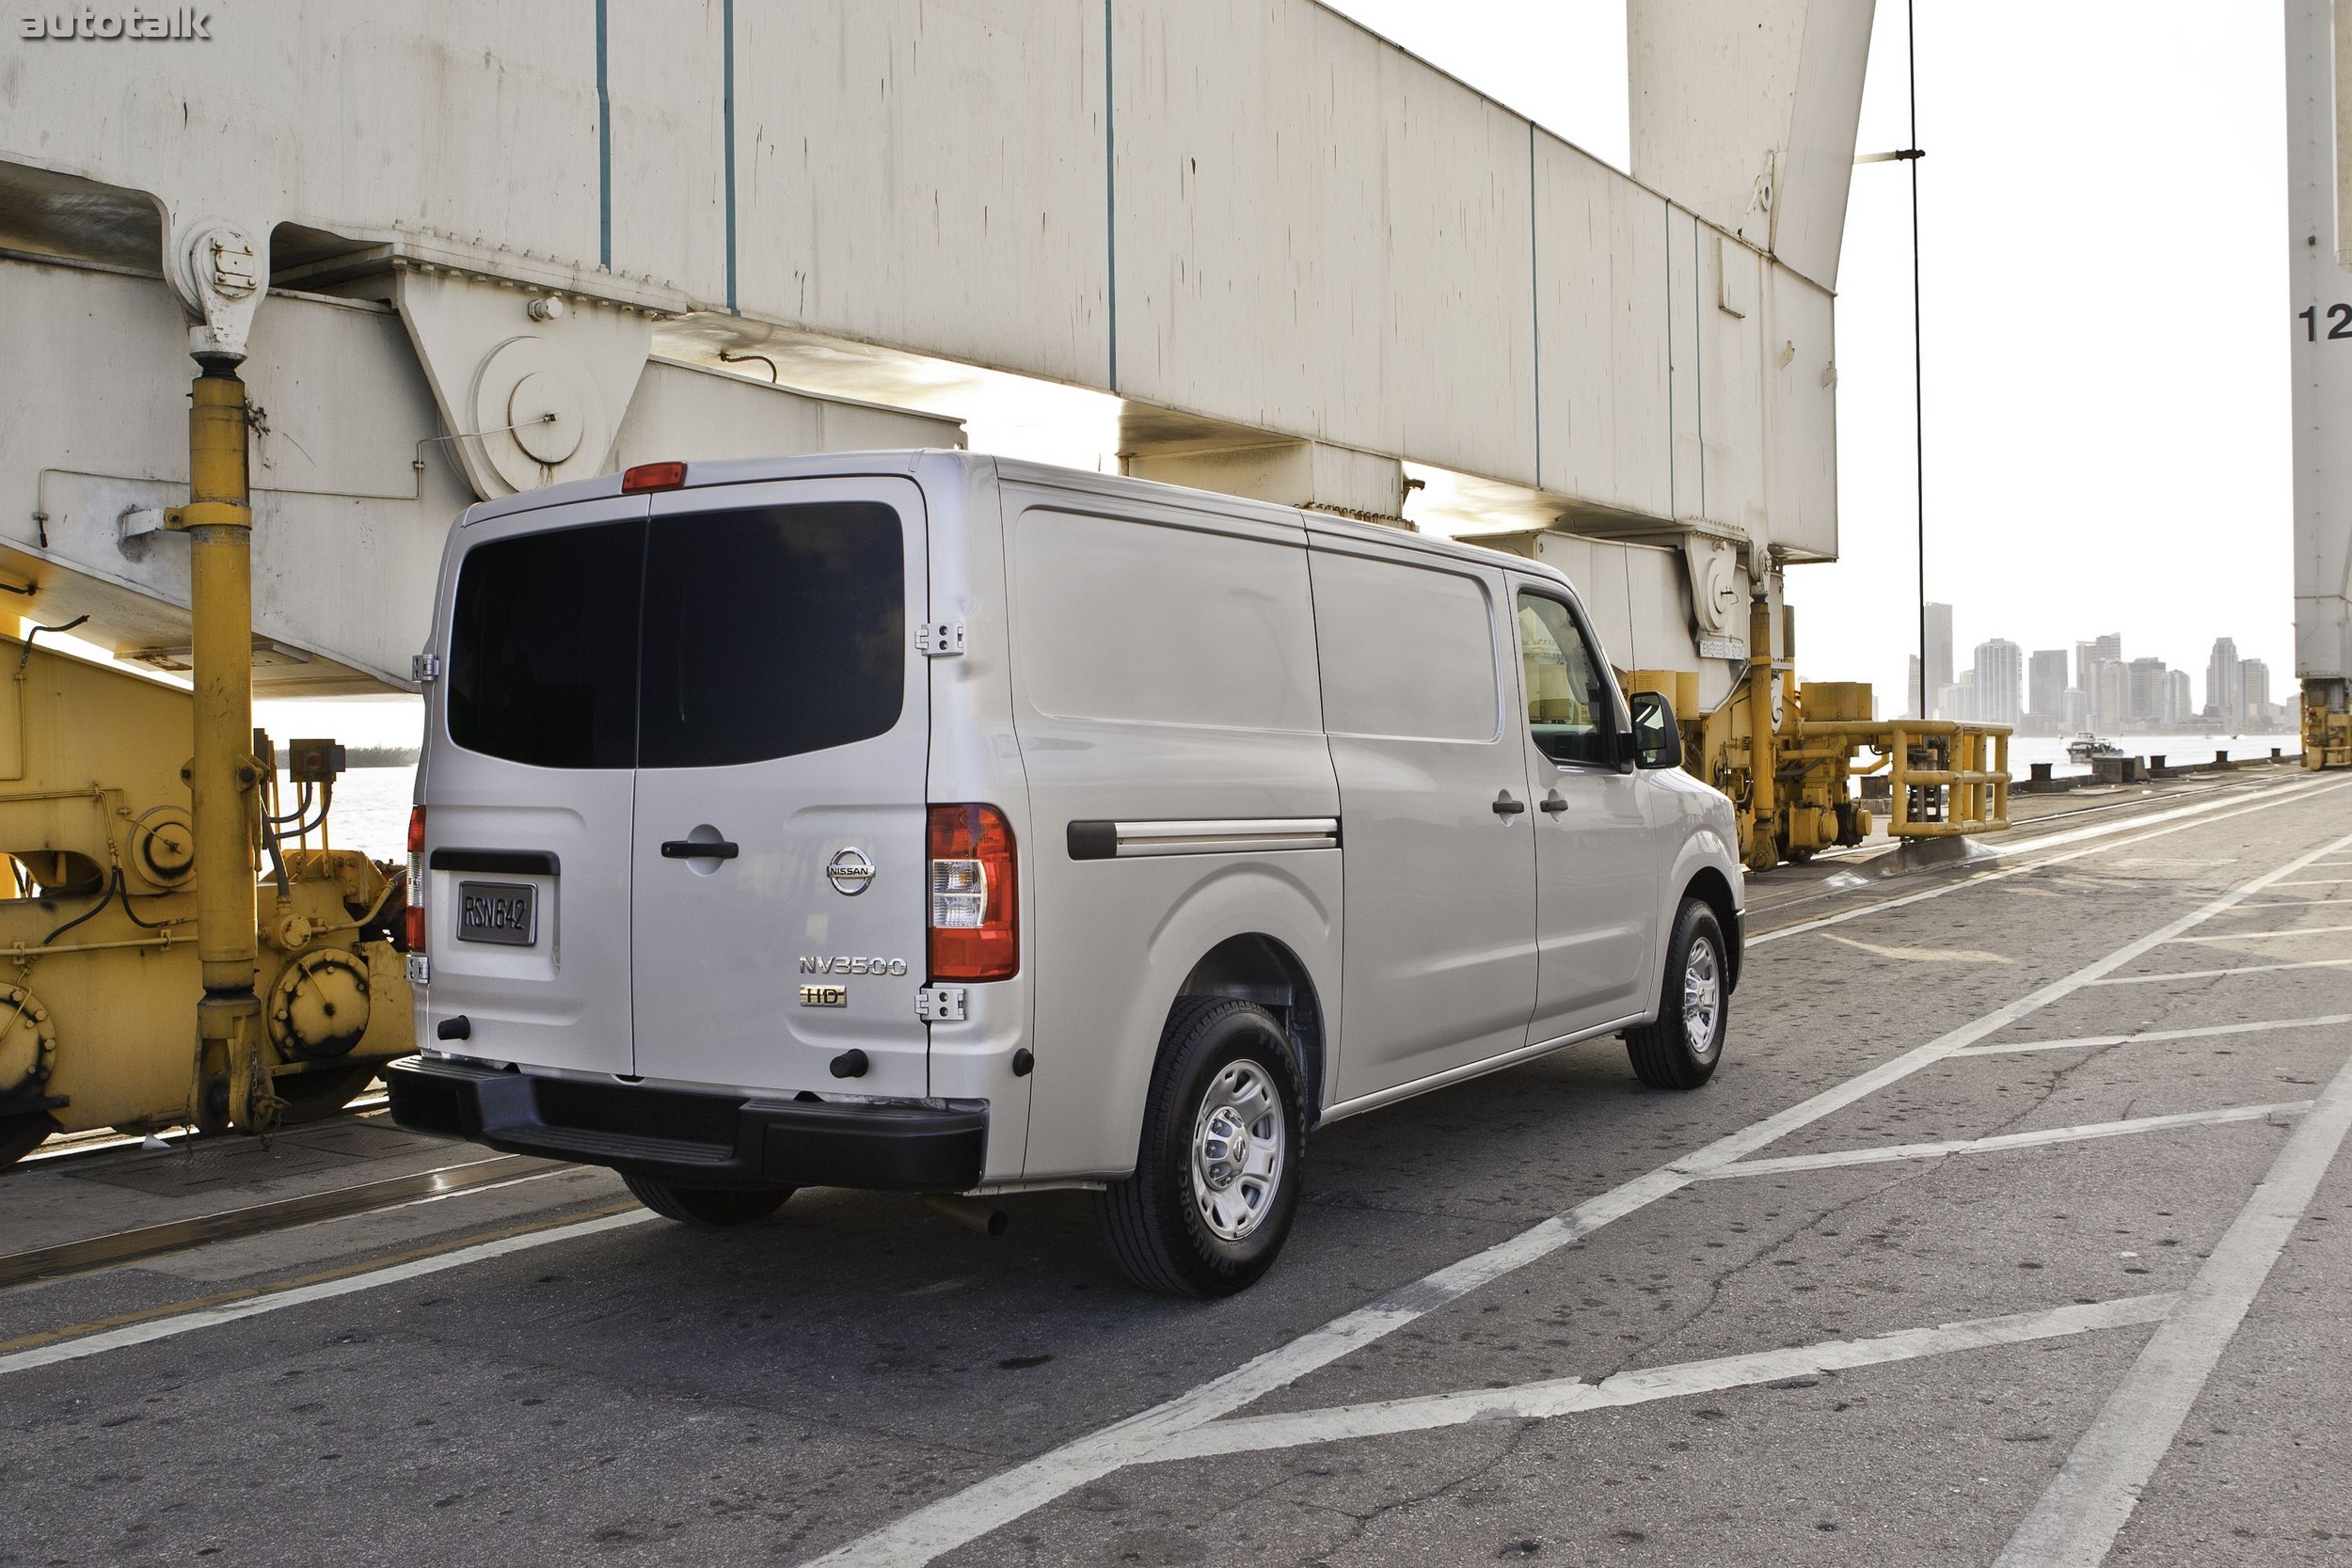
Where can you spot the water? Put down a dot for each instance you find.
(2177, 750)
(370, 811)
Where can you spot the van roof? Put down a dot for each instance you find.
(916, 461)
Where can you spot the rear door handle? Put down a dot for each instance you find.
(1552, 803)
(1505, 806)
(698, 849)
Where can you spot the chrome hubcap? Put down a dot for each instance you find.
(1238, 1145)
(1702, 998)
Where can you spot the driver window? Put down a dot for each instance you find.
(1568, 696)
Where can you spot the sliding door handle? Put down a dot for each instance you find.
(1505, 806)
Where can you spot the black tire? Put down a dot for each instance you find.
(1674, 1052)
(21, 1135)
(707, 1208)
(1153, 1222)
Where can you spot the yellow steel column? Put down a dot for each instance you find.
(218, 520)
(1763, 744)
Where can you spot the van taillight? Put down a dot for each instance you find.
(412, 918)
(975, 927)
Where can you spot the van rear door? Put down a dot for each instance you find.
(779, 868)
(526, 787)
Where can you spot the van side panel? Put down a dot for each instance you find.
(1163, 678)
(976, 758)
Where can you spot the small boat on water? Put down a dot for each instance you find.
(2086, 746)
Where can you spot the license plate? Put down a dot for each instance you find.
(503, 913)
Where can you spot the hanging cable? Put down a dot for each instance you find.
(1912, 155)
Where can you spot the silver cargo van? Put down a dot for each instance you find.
(940, 823)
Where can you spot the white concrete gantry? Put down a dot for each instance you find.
(1298, 255)
(2319, 265)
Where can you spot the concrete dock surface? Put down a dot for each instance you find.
(2014, 1229)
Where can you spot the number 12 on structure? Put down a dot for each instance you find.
(2339, 318)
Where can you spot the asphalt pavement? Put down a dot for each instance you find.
(2013, 1230)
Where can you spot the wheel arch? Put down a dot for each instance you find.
(1711, 887)
(1259, 967)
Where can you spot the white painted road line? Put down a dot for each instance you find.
(2201, 816)
(2079, 1517)
(1566, 1396)
(187, 1322)
(2086, 1132)
(2148, 1036)
(2317, 881)
(963, 1516)
(2220, 974)
(2265, 936)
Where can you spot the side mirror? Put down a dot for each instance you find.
(1657, 739)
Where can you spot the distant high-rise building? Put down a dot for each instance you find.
(2000, 681)
(2147, 697)
(1939, 651)
(2045, 689)
(1918, 709)
(2074, 710)
(2089, 655)
(2111, 698)
(2180, 699)
(2254, 676)
(2225, 684)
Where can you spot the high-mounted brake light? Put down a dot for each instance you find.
(975, 926)
(412, 918)
(653, 476)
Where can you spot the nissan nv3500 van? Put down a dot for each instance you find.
(939, 823)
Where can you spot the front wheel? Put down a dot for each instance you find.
(1217, 1175)
(707, 1208)
(1680, 1050)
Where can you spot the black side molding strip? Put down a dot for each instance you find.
(513, 863)
(1093, 841)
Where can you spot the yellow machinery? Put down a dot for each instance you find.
(1787, 759)
(2327, 724)
(100, 964)
(150, 979)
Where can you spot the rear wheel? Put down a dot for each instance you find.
(707, 1208)
(1217, 1175)
(1681, 1049)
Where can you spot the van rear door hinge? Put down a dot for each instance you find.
(939, 638)
(940, 1004)
(425, 668)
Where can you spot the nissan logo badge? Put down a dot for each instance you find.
(850, 872)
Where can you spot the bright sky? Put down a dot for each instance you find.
(2102, 225)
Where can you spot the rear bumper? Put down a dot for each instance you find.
(692, 1139)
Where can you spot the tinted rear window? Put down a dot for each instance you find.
(771, 632)
(694, 641)
(543, 647)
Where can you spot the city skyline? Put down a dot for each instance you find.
(2092, 684)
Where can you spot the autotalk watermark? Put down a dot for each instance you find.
(175, 22)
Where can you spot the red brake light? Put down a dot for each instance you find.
(975, 926)
(412, 918)
(653, 476)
